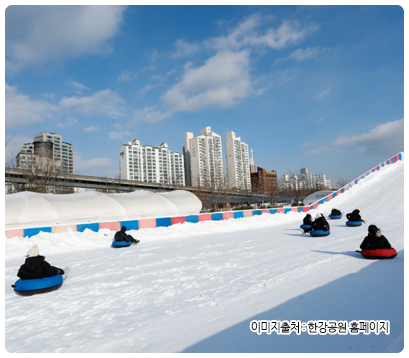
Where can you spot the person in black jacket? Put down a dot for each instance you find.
(320, 223)
(355, 216)
(335, 212)
(35, 266)
(123, 236)
(375, 240)
(307, 220)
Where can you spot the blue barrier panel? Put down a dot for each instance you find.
(34, 231)
(378, 167)
(356, 181)
(192, 218)
(91, 226)
(131, 224)
(400, 156)
(273, 211)
(256, 212)
(238, 214)
(300, 209)
(217, 216)
(362, 177)
(311, 207)
(334, 195)
(367, 173)
(286, 210)
(321, 202)
(349, 185)
(383, 164)
(163, 222)
(342, 190)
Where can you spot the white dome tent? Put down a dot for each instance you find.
(28, 209)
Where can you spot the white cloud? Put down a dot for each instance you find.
(184, 48)
(220, 83)
(86, 166)
(38, 34)
(76, 86)
(321, 119)
(13, 146)
(151, 114)
(119, 135)
(105, 102)
(247, 33)
(127, 76)
(156, 80)
(91, 128)
(305, 54)
(323, 94)
(22, 110)
(386, 139)
(68, 122)
(288, 33)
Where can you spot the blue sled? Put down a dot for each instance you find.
(304, 226)
(318, 233)
(118, 244)
(335, 217)
(38, 285)
(353, 223)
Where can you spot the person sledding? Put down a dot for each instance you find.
(307, 220)
(335, 212)
(376, 246)
(123, 236)
(375, 240)
(35, 266)
(320, 223)
(355, 216)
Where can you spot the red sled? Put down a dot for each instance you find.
(379, 253)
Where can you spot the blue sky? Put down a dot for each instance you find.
(304, 86)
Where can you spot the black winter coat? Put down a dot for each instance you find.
(37, 267)
(121, 236)
(335, 212)
(354, 217)
(372, 242)
(307, 221)
(320, 224)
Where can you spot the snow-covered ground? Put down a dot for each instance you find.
(196, 287)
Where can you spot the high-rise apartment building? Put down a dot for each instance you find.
(151, 164)
(237, 163)
(203, 155)
(48, 146)
(305, 180)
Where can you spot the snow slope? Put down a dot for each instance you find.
(196, 287)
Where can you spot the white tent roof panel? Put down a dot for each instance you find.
(27, 209)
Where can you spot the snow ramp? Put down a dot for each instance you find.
(197, 287)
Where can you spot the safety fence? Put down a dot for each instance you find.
(168, 221)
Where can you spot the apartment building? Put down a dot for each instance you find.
(203, 156)
(305, 180)
(263, 181)
(151, 164)
(48, 146)
(237, 163)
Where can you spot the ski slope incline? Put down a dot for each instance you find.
(196, 287)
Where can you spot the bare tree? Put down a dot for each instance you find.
(272, 191)
(342, 182)
(214, 185)
(40, 176)
(215, 190)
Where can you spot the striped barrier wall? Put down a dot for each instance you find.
(168, 221)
